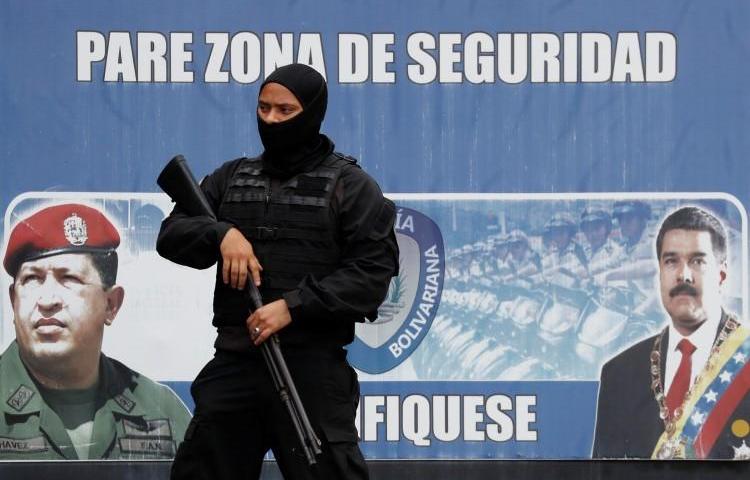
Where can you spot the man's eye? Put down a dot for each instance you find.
(72, 279)
(30, 279)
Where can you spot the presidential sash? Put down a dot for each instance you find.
(713, 398)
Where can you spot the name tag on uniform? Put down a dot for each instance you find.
(23, 445)
(148, 446)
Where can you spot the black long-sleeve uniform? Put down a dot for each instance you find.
(238, 416)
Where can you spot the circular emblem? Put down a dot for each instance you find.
(740, 428)
(75, 231)
(405, 317)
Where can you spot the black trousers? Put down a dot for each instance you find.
(239, 417)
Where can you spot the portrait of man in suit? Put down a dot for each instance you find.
(682, 393)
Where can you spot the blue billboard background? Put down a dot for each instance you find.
(689, 134)
(61, 134)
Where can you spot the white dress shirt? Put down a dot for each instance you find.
(702, 338)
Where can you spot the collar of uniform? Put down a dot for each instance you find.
(118, 383)
(570, 248)
(18, 391)
(21, 399)
(20, 396)
(119, 403)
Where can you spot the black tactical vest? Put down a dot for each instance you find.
(293, 232)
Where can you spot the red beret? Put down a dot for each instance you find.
(68, 228)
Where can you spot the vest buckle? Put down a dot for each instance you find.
(267, 233)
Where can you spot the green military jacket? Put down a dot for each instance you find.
(139, 419)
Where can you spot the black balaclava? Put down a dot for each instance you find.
(294, 144)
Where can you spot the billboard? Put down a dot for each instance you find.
(533, 153)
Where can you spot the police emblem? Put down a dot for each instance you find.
(405, 317)
(75, 230)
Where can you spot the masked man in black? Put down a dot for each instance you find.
(315, 234)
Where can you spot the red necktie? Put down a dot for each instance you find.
(681, 380)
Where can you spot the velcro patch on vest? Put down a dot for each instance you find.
(148, 446)
(312, 186)
(150, 429)
(20, 398)
(249, 182)
(300, 200)
(124, 402)
(23, 445)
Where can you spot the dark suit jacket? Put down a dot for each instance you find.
(627, 419)
(627, 415)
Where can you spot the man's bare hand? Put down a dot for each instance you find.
(268, 320)
(237, 259)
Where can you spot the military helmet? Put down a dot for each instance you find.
(560, 221)
(631, 207)
(593, 215)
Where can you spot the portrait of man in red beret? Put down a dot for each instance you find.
(60, 396)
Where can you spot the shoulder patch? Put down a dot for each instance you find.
(20, 398)
(124, 402)
(23, 445)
